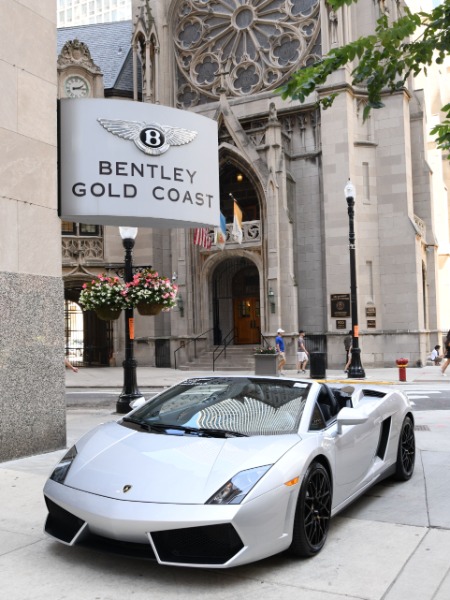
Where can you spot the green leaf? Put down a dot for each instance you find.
(382, 61)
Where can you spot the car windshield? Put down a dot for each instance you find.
(234, 405)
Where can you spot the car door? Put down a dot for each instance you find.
(355, 454)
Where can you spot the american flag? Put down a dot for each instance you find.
(201, 238)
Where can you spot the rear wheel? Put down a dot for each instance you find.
(406, 454)
(312, 517)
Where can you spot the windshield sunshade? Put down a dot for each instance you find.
(217, 407)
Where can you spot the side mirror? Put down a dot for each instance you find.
(138, 403)
(350, 416)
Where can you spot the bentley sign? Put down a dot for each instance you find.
(137, 164)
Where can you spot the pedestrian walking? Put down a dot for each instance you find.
(447, 354)
(69, 365)
(302, 353)
(348, 340)
(279, 344)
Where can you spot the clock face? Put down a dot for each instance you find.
(76, 87)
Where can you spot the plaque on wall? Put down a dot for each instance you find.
(371, 311)
(371, 324)
(341, 324)
(340, 305)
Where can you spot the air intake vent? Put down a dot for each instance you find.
(374, 393)
(61, 524)
(210, 545)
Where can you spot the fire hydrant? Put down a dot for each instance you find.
(401, 364)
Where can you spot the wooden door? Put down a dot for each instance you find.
(247, 320)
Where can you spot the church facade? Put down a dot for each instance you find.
(286, 164)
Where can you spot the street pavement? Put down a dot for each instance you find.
(156, 378)
(391, 544)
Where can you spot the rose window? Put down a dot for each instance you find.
(242, 46)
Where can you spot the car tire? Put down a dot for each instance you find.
(406, 453)
(312, 515)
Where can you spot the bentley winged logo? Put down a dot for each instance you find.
(150, 138)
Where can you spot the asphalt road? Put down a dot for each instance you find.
(94, 398)
(423, 397)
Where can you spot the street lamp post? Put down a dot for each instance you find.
(356, 370)
(130, 389)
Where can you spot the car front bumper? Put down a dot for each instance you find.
(218, 536)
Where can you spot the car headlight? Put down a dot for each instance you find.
(235, 490)
(62, 468)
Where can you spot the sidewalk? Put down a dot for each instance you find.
(393, 543)
(156, 378)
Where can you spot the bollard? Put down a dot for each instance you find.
(401, 364)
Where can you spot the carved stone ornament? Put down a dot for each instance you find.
(77, 53)
(240, 47)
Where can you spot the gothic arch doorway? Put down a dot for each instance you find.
(236, 301)
(246, 306)
(88, 340)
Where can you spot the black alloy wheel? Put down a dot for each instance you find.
(406, 454)
(312, 517)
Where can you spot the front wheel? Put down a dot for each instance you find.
(312, 516)
(406, 453)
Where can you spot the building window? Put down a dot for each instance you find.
(80, 229)
(366, 183)
(260, 42)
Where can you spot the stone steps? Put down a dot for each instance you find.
(238, 358)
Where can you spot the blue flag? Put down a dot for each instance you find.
(220, 233)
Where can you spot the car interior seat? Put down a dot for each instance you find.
(343, 398)
(328, 403)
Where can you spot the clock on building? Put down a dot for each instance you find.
(76, 86)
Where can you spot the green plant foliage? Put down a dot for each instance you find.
(382, 62)
(265, 350)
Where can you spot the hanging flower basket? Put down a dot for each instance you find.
(106, 295)
(151, 293)
(108, 314)
(147, 309)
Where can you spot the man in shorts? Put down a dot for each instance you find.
(279, 344)
(302, 354)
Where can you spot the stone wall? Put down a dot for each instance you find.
(31, 294)
(32, 402)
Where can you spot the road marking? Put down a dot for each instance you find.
(423, 392)
(106, 392)
(420, 395)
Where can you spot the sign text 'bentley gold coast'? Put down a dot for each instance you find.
(137, 164)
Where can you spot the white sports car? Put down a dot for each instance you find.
(223, 471)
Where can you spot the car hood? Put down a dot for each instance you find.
(166, 468)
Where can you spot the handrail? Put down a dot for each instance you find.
(184, 344)
(224, 343)
(264, 340)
